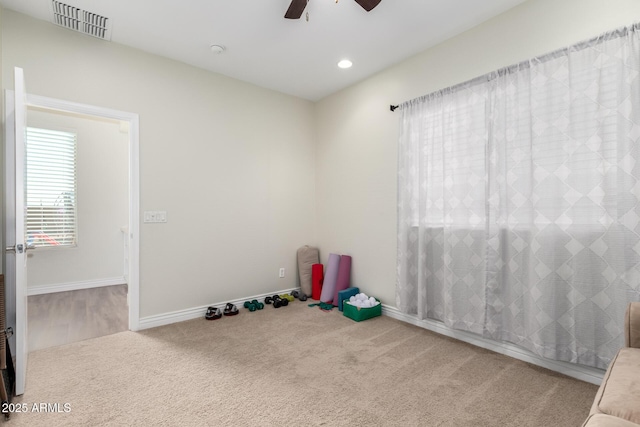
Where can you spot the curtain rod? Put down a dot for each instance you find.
(619, 32)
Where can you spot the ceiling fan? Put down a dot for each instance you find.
(297, 7)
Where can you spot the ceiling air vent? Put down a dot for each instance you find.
(80, 20)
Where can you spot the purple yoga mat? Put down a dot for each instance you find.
(344, 277)
(330, 277)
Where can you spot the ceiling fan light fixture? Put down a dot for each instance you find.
(296, 7)
(345, 63)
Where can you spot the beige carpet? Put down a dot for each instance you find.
(293, 366)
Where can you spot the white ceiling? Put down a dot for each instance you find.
(291, 56)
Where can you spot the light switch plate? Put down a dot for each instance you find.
(155, 216)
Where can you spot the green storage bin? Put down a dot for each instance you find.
(358, 313)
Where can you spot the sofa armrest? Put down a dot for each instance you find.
(632, 325)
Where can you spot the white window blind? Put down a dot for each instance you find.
(51, 188)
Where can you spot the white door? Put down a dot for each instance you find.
(16, 250)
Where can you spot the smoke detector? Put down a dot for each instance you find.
(217, 48)
(80, 20)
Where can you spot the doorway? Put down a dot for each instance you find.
(77, 220)
(129, 235)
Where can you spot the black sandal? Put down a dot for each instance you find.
(230, 310)
(213, 313)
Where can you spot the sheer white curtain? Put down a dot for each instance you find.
(519, 201)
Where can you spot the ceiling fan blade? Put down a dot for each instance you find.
(295, 9)
(368, 4)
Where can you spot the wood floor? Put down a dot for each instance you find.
(66, 317)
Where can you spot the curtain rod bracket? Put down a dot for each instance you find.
(393, 107)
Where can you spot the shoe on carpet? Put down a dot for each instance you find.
(230, 310)
(213, 313)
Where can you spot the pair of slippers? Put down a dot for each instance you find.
(214, 313)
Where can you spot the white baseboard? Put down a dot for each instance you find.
(196, 312)
(74, 286)
(584, 373)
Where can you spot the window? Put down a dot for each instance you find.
(527, 201)
(51, 188)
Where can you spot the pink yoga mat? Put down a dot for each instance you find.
(330, 277)
(344, 277)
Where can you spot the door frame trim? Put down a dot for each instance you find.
(134, 186)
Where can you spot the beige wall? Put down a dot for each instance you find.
(102, 202)
(231, 163)
(248, 175)
(357, 134)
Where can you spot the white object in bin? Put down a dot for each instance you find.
(363, 301)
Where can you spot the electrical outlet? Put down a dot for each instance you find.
(281, 272)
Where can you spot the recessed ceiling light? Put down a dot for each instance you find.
(217, 49)
(345, 63)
